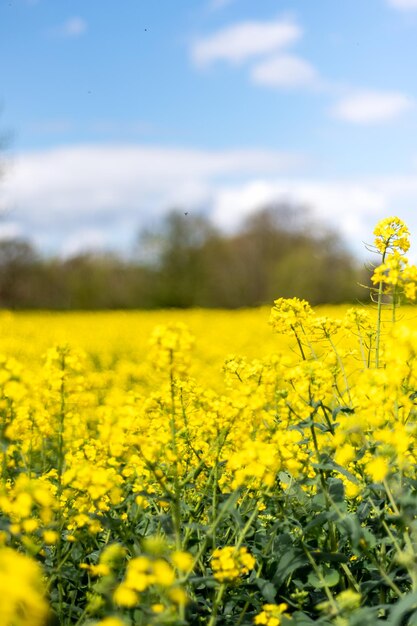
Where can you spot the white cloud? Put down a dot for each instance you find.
(372, 107)
(73, 27)
(75, 198)
(85, 240)
(343, 204)
(9, 230)
(54, 194)
(352, 207)
(405, 5)
(242, 41)
(287, 71)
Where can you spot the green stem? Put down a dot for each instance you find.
(216, 604)
(394, 304)
(322, 476)
(60, 469)
(176, 517)
(243, 613)
(342, 367)
(379, 316)
(227, 505)
(351, 578)
(322, 581)
(246, 527)
(406, 535)
(300, 345)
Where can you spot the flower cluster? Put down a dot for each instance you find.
(395, 274)
(290, 315)
(22, 591)
(391, 234)
(230, 563)
(271, 614)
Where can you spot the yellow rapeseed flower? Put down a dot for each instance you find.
(377, 468)
(110, 621)
(182, 560)
(124, 596)
(50, 537)
(271, 614)
(229, 563)
(391, 234)
(21, 591)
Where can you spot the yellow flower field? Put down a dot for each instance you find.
(212, 467)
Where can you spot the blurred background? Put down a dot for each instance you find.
(217, 153)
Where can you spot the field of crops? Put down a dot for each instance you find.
(208, 468)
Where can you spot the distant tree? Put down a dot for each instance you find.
(177, 250)
(104, 281)
(18, 260)
(320, 272)
(279, 250)
(267, 236)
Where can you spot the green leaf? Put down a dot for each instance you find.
(299, 618)
(288, 563)
(330, 579)
(318, 520)
(351, 525)
(407, 604)
(267, 589)
(314, 581)
(336, 490)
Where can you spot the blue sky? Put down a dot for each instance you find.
(119, 110)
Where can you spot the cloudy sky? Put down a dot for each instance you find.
(117, 111)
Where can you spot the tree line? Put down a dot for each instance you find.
(279, 251)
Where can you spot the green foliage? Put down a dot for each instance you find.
(188, 263)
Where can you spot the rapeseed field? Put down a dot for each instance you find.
(213, 468)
